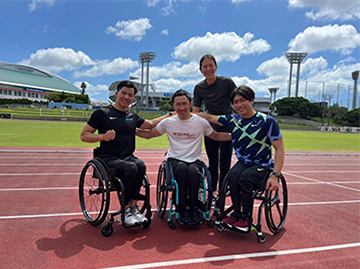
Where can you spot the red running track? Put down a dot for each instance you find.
(42, 226)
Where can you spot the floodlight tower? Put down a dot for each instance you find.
(355, 76)
(145, 57)
(295, 58)
(273, 91)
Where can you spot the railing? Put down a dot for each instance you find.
(344, 129)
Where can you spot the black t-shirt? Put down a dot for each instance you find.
(124, 124)
(216, 96)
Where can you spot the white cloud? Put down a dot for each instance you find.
(172, 84)
(329, 9)
(35, 3)
(312, 66)
(172, 69)
(226, 46)
(239, 1)
(94, 91)
(278, 66)
(314, 71)
(337, 74)
(165, 32)
(117, 66)
(131, 29)
(343, 39)
(57, 59)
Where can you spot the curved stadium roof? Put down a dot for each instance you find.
(29, 77)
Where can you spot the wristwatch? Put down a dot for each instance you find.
(275, 174)
(170, 113)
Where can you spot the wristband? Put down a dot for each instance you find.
(275, 174)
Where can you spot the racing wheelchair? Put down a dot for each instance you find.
(95, 187)
(166, 183)
(274, 203)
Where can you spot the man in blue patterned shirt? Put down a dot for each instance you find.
(253, 135)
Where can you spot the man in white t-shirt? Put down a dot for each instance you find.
(185, 132)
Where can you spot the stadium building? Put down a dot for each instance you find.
(19, 81)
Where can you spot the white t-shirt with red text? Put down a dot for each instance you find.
(185, 137)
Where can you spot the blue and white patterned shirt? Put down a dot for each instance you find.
(252, 137)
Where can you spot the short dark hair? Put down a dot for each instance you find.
(207, 56)
(244, 91)
(127, 84)
(181, 92)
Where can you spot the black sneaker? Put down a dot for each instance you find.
(185, 217)
(195, 217)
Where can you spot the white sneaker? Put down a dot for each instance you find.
(130, 219)
(137, 214)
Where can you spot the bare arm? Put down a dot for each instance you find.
(220, 136)
(151, 124)
(196, 109)
(209, 117)
(147, 134)
(88, 135)
(279, 159)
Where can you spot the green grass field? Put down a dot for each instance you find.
(27, 133)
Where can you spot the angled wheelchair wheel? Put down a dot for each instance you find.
(276, 206)
(143, 199)
(94, 192)
(162, 188)
(223, 206)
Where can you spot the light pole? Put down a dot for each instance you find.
(295, 58)
(327, 97)
(145, 57)
(273, 91)
(355, 76)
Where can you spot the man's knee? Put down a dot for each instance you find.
(131, 169)
(141, 167)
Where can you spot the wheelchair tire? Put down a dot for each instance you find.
(224, 198)
(143, 200)
(94, 192)
(261, 238)
(107, 230)
(276, 207)
(162, 188)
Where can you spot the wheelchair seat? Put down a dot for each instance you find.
(95, 186)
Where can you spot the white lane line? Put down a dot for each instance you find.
(81, 165)
(239, 256)
(155, 173)
(154, 186)
(329, 183)
(42, 189)
(154, 210)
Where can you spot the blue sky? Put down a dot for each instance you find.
(98, 42)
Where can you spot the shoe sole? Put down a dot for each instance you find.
(241, 229)
(229, 226)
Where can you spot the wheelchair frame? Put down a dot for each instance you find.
(95, 186)
(167, 183)
(274, 203)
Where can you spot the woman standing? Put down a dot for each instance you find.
(215, 92)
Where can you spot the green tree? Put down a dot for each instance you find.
(315, 110)
(337, 113)
(289, 106)
(54, 96)
(68, 98)
(165, 106)
(83, 87)
(352, 118)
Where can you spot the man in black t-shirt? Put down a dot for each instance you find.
(116, 127)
